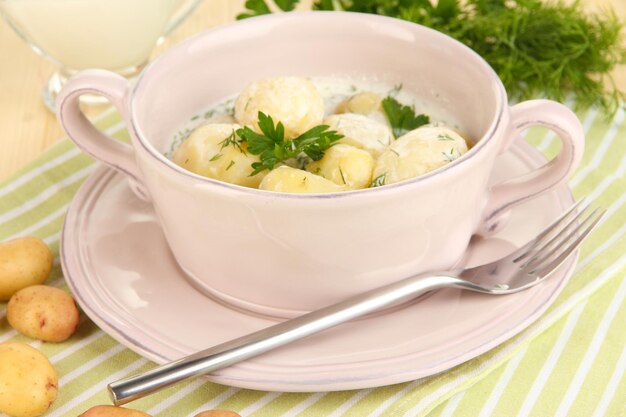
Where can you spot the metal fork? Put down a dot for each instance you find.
(523, 269)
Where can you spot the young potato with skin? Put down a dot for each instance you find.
(419, 151)
(346, 166)
(28, 382)
(44, 313)
(361, 132)
(217, 413)
(112, 411)
(285, 179)
(24, 261)
(205, 153)
(364, 103)
(294, 101)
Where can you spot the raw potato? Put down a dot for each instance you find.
(112, 411)
(361, 132)
(418, 152)
(346, 166)
(205, 153)
(44, 313)
(28, 382)
(294, 101)
(361, 103)
(285, 179)
(217, 413)
(24, 261)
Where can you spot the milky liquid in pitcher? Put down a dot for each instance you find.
(79, 34)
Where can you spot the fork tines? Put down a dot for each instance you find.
(555, 243)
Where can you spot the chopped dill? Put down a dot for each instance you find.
(379, 181)
(233, 140)
(395, 90)
(342, 177)
(449, 156)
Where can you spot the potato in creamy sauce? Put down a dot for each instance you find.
(216, 146)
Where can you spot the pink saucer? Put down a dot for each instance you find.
(118, 265)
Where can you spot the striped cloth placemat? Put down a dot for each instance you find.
(571, 362)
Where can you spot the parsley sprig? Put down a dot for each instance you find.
(273, 147)
(402, 118)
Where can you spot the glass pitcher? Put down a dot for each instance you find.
(118, 35)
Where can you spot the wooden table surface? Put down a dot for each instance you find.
(27, 127)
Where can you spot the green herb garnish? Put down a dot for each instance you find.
(259, 7)
(402, 118)
(395, 90)
(449, 156)
(444, 136)
(273, 147)
(379, 181)
(550, 48)
(233, 140)
(342, 177)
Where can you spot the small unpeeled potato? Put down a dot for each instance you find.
(346, 166)
(112, 411)
(28, 382)
(365, 102)
(44, 313)
(24, 261)
(217, 413)
(285, 179)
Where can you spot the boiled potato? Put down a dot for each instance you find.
(346, 166)
(293, 101)
(217, 413)
(418, 152)
(365, 102)
(285, 179)
(361, 132)
(44, 313)
(23, 261)
(28, 382)
(211, 151)
(112, 411)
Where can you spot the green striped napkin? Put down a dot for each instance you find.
(571, 362)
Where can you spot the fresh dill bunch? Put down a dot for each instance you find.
(546, 49)
(538, 48)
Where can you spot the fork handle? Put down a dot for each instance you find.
(253, 344)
